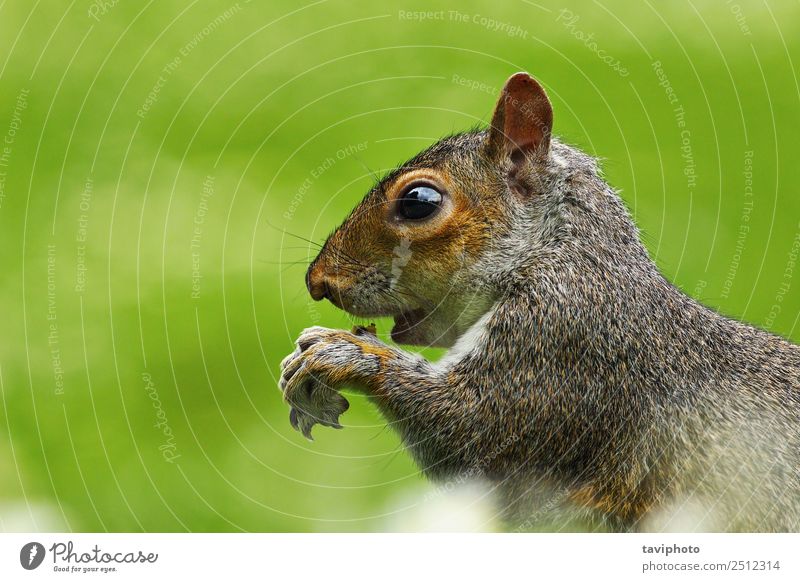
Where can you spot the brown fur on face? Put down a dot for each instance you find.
(377, 264)
(434, 276)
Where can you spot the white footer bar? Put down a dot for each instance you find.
(355, 557)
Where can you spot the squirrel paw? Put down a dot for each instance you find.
(323, 361)
(320, 405)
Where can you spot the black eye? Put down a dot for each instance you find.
(419, 202)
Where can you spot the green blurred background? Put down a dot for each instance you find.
(154, 154)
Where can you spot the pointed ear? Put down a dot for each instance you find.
(522, 121)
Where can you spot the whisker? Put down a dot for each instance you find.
(290, 265)
(297, 236)
(342, 253)
(375, 177)
(266, 262)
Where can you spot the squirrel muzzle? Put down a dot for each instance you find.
(316, 283)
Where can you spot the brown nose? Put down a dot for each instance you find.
(316, 283)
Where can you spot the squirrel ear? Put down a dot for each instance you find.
(522, 121)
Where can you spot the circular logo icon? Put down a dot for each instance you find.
(31, 555)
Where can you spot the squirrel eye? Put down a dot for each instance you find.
(419, 202)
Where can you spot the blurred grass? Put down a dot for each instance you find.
(262, 100)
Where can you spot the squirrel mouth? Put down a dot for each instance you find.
(406, 325)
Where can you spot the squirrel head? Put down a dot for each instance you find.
(421, 243)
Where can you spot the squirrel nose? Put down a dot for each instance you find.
(317, 285)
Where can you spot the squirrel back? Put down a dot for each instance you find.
(576, 371)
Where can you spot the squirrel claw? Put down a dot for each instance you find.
(320, 406)
(302, 422)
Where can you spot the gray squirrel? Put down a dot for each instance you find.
(574, 367)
